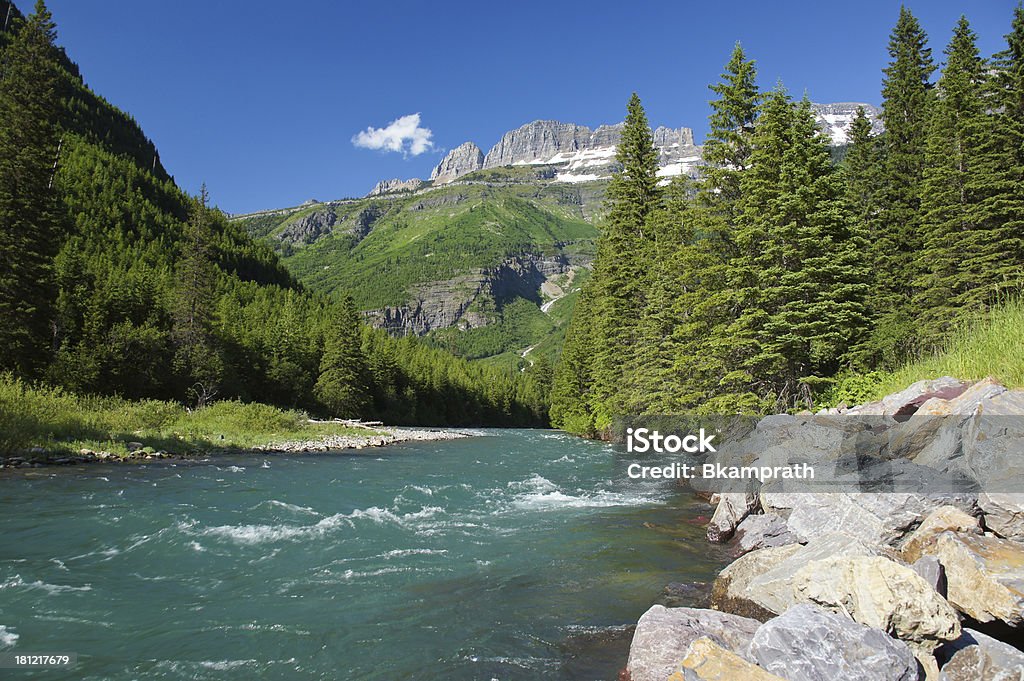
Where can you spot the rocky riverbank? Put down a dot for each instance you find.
(376, 436)
(879, 585)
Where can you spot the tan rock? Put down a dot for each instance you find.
(984, 575)
(731, 590)
(707, 661)
(942, 519)
(965, 403)
(882, 594)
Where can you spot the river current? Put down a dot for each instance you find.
(517, 554)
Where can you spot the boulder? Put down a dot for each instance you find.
(663, 635)
(963, 404)
(732, 508)
(1004, 514)
(977, 657)
(761, 531)
(707, 661)
(871, 517)
(882, 594)
(984, 575)
(731, 590)
(942, 519)
(760, 584)
(807, 643)
(908, 401)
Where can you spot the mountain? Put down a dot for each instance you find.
(470, 257)
(835, 119)
(578, 153)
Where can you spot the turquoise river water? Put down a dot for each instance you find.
(518, 554)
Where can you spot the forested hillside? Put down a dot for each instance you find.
(114, 281)
(780, 279)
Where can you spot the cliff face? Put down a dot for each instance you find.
(835, 119)
(463, 159)
(394, 186)
(456, 301)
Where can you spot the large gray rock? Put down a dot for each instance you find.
(871, 517)
(977, 657)
(807, 643)
(663, 635)
(761, 531)
(984, 575)
(461, 160)
(1004, 514)
(760, 584)
(732, 508)
(880, 593)
(910, 399)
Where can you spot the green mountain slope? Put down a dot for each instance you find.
(462, 263)
(117, 284)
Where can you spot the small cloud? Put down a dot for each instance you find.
(402, 135)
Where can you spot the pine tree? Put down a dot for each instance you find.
(343, 383)
(620, 267)
(906, 97)
(955, 231)
(798, 274)
(29, 220)
(573, 382)
(197, 361)
(733, 116)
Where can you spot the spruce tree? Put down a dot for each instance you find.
(29, 219)
(197, 360)
(798, 275)
(620, 268)
(343, 385)
(955, 232)
(733, 115)
(906, 97)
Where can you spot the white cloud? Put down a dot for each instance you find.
(402, 134)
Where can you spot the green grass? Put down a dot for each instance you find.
(60, 422)
(992, 345)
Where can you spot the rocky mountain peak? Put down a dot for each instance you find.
(463, 159)
(835, 119)
(395, 185)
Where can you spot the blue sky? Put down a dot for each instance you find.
(262, 100)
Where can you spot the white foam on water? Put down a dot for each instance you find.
(401, 553)
(259, 534)
(226, 665)
(16, 582)
(295, 508)
(7, 637)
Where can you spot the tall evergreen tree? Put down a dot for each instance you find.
(343, 383)
(197, 359)
(620, 268)
(29, 224)
(953, 227)
(728, 147)
(906, 96)
(798, 273)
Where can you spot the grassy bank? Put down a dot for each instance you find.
(58, 422)
(990, 346)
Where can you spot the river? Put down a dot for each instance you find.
(518, 554)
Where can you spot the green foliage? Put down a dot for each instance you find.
(342, 385)
(29, 219)
(783, 280)
(154, 295)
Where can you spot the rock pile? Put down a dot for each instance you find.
(867, 585)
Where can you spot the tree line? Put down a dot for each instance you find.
(780, 277)
(114, 281)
